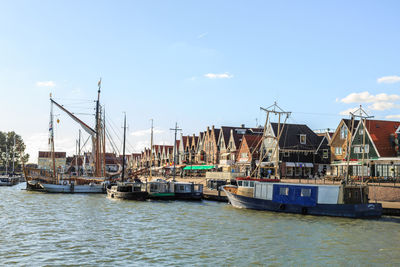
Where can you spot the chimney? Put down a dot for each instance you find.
(213, 127)
(242, 125)
(208, 128)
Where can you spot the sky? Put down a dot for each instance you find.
(197, 63)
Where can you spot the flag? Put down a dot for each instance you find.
(99, 83)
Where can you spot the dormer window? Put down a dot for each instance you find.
(361, 131)
(303, 139)
(343, 132)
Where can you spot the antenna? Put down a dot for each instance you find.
(176, 129)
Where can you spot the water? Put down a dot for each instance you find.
(56, 229)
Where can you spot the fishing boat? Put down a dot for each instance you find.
(57, 182)
(344, 200)
(330, 200)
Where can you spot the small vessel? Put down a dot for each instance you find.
(188, 191)
(6, 180)
(9, 179)
(127, 190)
(160, 189)
(77, 185)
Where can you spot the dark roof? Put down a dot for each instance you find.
(348, 124)
(226, 133)
(290, 138)
(253, 141)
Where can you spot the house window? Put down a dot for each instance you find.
(303, 139)
(287, 154)
(244, 155)
(361, 131)
(305, 192)
(343, 132)
(325, 153)
(359, 149)
(284, 191)
(338, 150)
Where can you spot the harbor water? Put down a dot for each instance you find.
(64, 229)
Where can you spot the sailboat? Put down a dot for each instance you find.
(135, 190)
(9, 179)
(344, 200)
(53, 182)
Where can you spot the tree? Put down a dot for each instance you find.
(7, 145)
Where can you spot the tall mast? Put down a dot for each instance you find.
(123, 151)
(176, 129)
(6, 155)
(13, 157)
(51, 129)
(151, 149)
(104, 143)
(79, 149)
(97, 149)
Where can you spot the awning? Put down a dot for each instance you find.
(304, 165)
(290, 164)
(199, 167)
(309, 165)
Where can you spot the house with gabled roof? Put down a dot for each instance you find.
(338, 146)
(375, 149)
(301, 152)
(200, 152)
(211, 147)
(248, 153)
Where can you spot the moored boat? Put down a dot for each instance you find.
(329, 200)
(6, 180)
(128, 191)
(188, 191)
(160, 189)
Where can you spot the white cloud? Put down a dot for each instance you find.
(389, 79)
(382, 106)
(202, 35)
(347, 111)
(46, 84)
(392, 117)
(225, 75)
(366, 97)
(147, 132)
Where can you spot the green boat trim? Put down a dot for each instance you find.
(168, 194)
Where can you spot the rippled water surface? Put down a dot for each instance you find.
(62, 229)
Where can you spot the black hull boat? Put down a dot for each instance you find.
(128, 191)
(188, 191)
(325, 200)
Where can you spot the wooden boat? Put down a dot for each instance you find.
(78, 185)
(188, 191)
(329, 200)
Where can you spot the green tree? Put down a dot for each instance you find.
(7, 145)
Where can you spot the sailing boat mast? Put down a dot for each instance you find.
(98, 126)
(13, 157)
(176, 129)
(151, 149)
(51, 128)
(6, 155)
(123, 151)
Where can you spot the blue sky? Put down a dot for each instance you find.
(198, 63)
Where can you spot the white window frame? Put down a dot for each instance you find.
(303, 142)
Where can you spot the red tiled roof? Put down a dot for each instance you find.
(253, 141)
(380, 133)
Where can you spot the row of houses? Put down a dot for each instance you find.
(301, 152)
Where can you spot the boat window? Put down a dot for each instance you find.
(240, 183)
(305, 192)
(251, 183)
(245, 183)
(181, 188)
(284, 191)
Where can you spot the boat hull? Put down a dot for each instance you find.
(142, 195)
(68, 188)
(370, 210)
(188, 196)
(162, 196)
